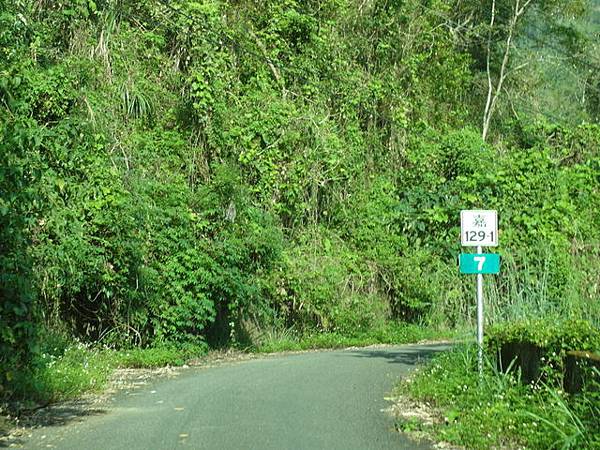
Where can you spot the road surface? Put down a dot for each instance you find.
(314, 400)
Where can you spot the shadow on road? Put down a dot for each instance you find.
(409, 355)
(56, 415)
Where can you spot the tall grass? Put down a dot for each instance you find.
(542, 285)
(520, 291)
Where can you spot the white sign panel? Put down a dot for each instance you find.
(479, 228)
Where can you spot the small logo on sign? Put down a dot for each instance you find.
(479, 221)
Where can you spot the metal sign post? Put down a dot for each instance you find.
(479, 228)
(480, 319)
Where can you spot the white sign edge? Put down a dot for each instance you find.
(493, 211)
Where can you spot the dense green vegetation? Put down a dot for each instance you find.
(180, 173)
(66, 370)
(502, 409)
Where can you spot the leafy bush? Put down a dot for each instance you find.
(18, 311)
(550, 342)
(322, 284)
(498, 410)
(552, 335)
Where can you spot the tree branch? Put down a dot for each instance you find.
(272, 67)
(489, 74)
(495, 91)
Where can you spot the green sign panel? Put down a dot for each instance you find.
(479, 263)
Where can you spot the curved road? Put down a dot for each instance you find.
(315, 400)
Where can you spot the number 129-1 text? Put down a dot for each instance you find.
(478, 236)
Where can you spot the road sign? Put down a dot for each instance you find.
(479, 263)
(479, 228)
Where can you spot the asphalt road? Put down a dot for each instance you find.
(315, 400)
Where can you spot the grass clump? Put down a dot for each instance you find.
(60, 374)
(78, 370)
(498, 410)
(65, 369)
(386, 333)
(164, 355)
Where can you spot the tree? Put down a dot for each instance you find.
(494, 89)
(505, 36)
